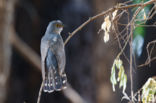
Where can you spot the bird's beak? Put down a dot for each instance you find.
(63, 25)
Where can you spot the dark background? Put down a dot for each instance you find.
(89, 59)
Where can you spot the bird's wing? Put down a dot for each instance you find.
(60, 55)
(58, 51)
(44, 50)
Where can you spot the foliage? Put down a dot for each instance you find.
(136, 39)
(149, 91)
(121, 78)
(106, 25)
(139, 31)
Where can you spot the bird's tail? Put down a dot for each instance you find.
(48, 83)
(55, 81)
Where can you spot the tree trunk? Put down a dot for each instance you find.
(6, 18)
(104, 54)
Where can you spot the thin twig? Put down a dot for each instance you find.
(37, 64)
(131, 51)
(25, 50)
(149, 59)
(130, 38)
(34, 59)
(139, 25)
(105, 13)
(147, 63)
(131, 63)
(40, 92)
(117, 36)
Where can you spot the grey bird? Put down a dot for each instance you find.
(53, 58)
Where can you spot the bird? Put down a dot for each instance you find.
(53, 58)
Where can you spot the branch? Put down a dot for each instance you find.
(40, 92)
(106, 13)
(131, 51)
(7, 8)
(149, 60)
(34, 59)
(25, 50)
(147, 63)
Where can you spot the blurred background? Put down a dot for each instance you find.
(89, 59)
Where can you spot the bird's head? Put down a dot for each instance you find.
(56, 26)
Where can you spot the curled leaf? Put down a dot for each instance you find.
(103, 26)
(114, 14)
(121, 73)
(113, 77)
(106, 28)
(122, 77)
(106, 37)
(108, 23)
(124, 83)
(118, 63)
(149, 91)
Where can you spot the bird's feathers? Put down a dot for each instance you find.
(53, 79)
(53, 62)
(44, 48)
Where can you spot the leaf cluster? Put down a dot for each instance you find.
(121, 77)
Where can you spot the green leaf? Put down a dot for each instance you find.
(149, 91)
(124, 84)
(122, 78)
(121, 73)
(113, 77)
(118, 63)
(139, 31)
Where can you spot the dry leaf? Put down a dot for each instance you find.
(106, 37)
(114, 14)
(106, 28)
(108, 23)
(103, 26)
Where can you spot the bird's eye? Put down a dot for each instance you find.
(59, 25)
